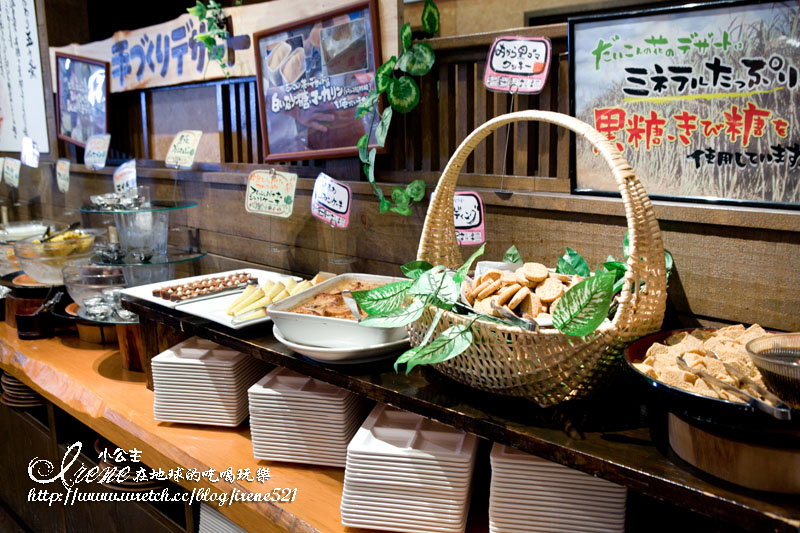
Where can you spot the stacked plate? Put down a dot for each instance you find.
(407, 473)
(299, 419)
(111, 456)
(201, 382)
(531, 494)
(212, 521)
(17, 394)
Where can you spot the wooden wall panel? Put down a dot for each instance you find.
(732, 264)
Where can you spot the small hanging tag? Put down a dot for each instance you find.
(468, 218)
(270, 193)
(96, 150)
(11, 172)
(330, 201)
(62, 175)
(517, 64)
(125, 176)
(183, 149)
(30, 153)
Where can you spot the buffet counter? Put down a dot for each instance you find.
(608, 436)
(87, 381)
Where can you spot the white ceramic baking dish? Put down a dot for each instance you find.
(328, 332)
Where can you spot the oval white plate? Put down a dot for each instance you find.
(342, 355)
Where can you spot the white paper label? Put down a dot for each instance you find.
(11, 171)
(62, 175)
(125, 176)
(30, 153)
(183, 149)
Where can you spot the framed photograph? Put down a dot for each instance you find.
(82, 100)
(311, 77)
(701, 100)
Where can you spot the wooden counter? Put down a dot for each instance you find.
(88, 382)
(607, 435)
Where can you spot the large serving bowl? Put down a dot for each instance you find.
(85, 280)
(16, 231)
(43, 261)
(328, 331)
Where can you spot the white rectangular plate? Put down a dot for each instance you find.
(145, 292)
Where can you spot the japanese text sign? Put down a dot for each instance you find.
(94, 156)
(330, 201)
(468, 218)
(183, 149)
(22, 96)
(517, 65)
(270, 193)
(30, 153)
(125, 176)
(62, 175)
(699, 103)
(11, 171)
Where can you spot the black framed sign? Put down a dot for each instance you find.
(82, 103)
(311, 77)
(701, 100)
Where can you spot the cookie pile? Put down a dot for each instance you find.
(532, 291)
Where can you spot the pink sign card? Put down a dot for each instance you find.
(468, 218)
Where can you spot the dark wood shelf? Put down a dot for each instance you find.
(610, 435)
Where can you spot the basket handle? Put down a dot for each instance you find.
(438, 243)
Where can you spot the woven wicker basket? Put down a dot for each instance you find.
(548, 368)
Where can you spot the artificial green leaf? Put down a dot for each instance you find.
(617, 267)
(578, 262)
(385, 205)
(512, 256)
(371, 169)
(199, 10)
(363, 147)
(669, 262)
(206, 39)
(618, 285)
(439, 283)
(411, 354)
(382, 299)
(610, 259)
(415, 269)
(405, 211)
(384, 74)
(397, 318)
(399, 197)
(452, 342)
(626, 245)
(463, 269)
(564, 267)
(366, 105)
(418, 60)
(403, 94)
(584, 306)
(383, 126)
(405, 36)
(416, 190)
(430, 18)
(366, 172)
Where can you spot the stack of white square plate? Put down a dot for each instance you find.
(212, 521)
(299, 419)
(407, 473)
(530, 494)
(201, 382)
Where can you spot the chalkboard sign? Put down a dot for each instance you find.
(82, 98)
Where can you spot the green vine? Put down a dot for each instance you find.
(395, 79)
(216, 33)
